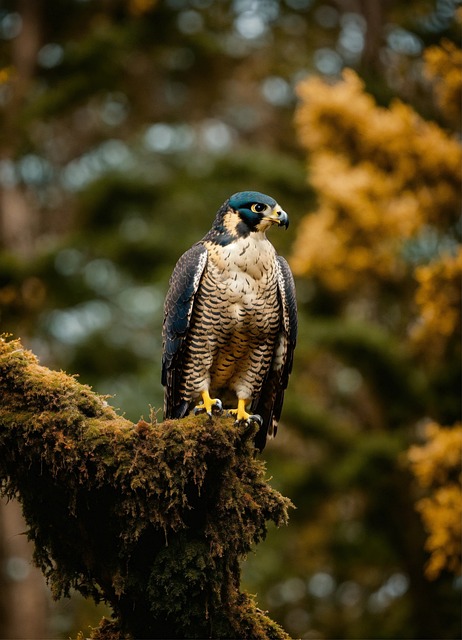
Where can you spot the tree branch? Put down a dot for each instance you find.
(152, 518)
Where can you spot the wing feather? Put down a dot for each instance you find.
(178, 308)
(269, 402)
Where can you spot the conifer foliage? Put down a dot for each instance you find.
(152, 518)
(380, 256)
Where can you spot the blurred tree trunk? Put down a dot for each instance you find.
(16, 221)
(23, 597)
(373, 12)
(17, 218)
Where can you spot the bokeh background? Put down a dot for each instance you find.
(124, 126)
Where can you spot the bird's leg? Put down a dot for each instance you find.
(208, 405)
(240, 412)
(242, 415)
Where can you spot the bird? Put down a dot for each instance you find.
(230, 320)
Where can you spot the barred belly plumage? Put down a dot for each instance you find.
(234, 325)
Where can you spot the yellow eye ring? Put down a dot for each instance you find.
(258, 207)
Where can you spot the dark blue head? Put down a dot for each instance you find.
(257, 211)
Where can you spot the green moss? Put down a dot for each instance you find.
(152, 518)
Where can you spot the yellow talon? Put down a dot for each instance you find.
(208, 404)
(242, 415)
(240, 412)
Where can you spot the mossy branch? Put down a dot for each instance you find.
(152, 518)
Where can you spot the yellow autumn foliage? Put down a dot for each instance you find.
(437, 468)
(439, 300)
(444, 68)
(386, 179)
(381, 174)
(5, 74)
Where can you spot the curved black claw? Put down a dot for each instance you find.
(217, 407)
(253, 418)
(199, 409)
(256, 418)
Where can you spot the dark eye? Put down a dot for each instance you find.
(258, 207)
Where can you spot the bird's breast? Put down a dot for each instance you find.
(244, 259)
(241, 282)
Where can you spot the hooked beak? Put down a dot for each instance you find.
(278, 216)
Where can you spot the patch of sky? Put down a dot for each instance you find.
(10, 25)
(102, 276)
(8, 174)
(441, 17)
(348, 380)
(321, 585)
(352, 36)
(277, 91)
(140, 303)
(404, 42)
(216, 136)
(190, 22)
(395, 587)
(289, 591)
(166, 138)
(17, 569)
(250, 25)
(114, 109)
(74, 326)
(111, 154)
(253, 17)
(133, 228)
(428, 244)
(50, 55)
(328, 61)
(34, 170)
(68, 262)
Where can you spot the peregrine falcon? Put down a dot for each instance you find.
(230, 319)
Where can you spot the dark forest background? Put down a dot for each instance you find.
(124, 126)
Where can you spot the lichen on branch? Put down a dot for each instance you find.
(152, 518)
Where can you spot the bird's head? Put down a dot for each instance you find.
(257, 211)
